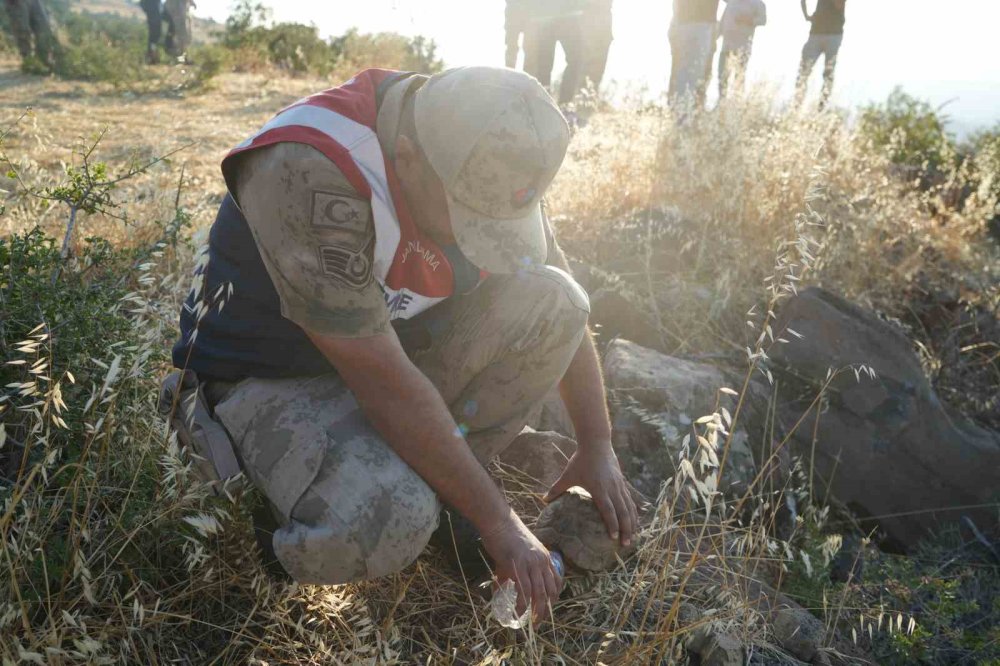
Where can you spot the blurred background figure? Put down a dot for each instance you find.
(581, 27)
(692, 45)
(825, 37)
(740, 21)
(154, 28)
(178, 39)
(32, 30)
(516, 16)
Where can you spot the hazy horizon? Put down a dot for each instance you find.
(938, 56)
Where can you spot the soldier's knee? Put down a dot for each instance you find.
(319, 547)
(570, 302)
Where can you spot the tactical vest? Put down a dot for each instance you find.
(413, 271)
(249, 337)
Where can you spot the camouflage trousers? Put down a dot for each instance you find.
(348, 507)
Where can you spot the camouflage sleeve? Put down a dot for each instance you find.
(316, 237)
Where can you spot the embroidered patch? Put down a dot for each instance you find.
(352, 267)
(331, 210)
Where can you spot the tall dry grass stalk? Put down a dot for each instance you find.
(691, 213)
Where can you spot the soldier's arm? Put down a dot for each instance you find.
(407, 410)
(316, 241)
(595, 465)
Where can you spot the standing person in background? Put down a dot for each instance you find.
(516, 16)
(154, 28)
(32, 29)
(740, 21)
(582, 27)
(692, 42)
(825, 37)
(598, 35)
(178, 37)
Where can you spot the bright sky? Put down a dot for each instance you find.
(940, 51)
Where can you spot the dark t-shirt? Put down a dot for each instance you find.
(828, 19)
(696, 11)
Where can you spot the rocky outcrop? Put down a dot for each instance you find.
(655, 400)
(886, 444)
(539, 457)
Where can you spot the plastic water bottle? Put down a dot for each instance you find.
(504, 602)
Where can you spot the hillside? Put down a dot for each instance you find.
(692, 239)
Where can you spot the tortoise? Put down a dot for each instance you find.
(572, 525)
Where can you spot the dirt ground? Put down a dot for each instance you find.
(65, 115)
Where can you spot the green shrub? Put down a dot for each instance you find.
(358, 51)
(102, 47)
(99, 517)
(256, 42)
(909, 131)
(984, 148)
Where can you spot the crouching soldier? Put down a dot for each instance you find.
(398, 309)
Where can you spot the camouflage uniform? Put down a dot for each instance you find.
(348, 507)
(178, 37)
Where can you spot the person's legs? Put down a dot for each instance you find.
(708, 56)
(539, 50)
(499, 350)
(178, 31)
(724, 55)
(810, 54)
(525, 329)
(170, 38)
(692, 46)
(347, 506)
(154, 28)
(675, 63)
(598, 36)
(831, 48)
(41, 27)
(19, 15)
(569, 33)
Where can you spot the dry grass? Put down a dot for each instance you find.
(701, 223)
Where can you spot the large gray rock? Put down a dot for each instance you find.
(655, 400)
(540, 457)
(553, 416)
(891, 448)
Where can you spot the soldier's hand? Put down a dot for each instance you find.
(520, 557)
(596, 470)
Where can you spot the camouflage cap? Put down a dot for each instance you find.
(496, 139)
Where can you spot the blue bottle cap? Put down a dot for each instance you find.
(557, 562)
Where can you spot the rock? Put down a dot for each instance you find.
(797, 630)
(552, 415)
(540, 456)
(891, 448)
(655, 399)
(714, 647)
(572, 525)
(849, 563)
(615, 315)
